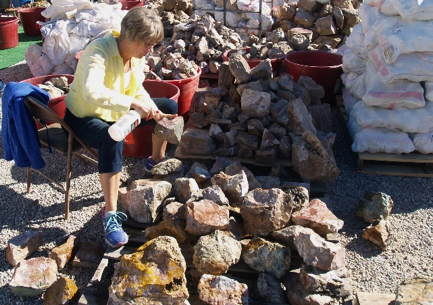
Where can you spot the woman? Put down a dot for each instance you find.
(108, 83)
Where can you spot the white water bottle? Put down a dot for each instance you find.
(119, 130)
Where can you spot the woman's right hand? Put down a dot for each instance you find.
(144, 110)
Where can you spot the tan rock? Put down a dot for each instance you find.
(169, 227)
(378, 233)
(22, 246)
(62, 291)
(318, 217)
(33, 276)
(219, 289)
(63, 253)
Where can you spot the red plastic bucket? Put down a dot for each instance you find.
(29, 16)
(188, 88)
(275, 62)
(138, 144)
(324, 68)
(126, 5)
(8, 32)
(56, 104)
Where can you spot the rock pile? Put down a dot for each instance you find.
(247, 116)
(317, 24)
(228, 216)
(40, 275)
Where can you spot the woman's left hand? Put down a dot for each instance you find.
(158, 116)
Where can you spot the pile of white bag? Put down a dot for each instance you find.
(72, 25)
(388, 77)
(246, 20)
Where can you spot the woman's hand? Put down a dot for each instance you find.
(143, 109)
(158, 115)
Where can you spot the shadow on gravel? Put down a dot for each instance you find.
(363, 248)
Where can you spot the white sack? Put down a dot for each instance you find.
(398, 36)
(423, 142)
(418, 120)
(410, 9)
(355, 84)
(400, 93)
(415, 67)
(232, 19)
(352, 62)
(348, 100)
(355, 41)
(382, 140)
(59, 7)
(57, 43)
(369, 17)
(376, 3)
(428, 91)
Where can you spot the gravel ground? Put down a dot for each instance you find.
(373, 270)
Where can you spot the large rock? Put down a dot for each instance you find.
(215, 194)
(167, 167)
(143, 201)
(236, 168)
(374, 206)
(256, 104)
(22, 246)
(278, 257)
(415, 291)
(168, 227)
(234, 187)
(197, 142)
(63, 253)
(312, 161)
(33, 276)
(265, 211)
(216, 252)
(154, 274)
(62, 291)
(219, 289)
(170, 130)
(239, 68)
(334, 282)
(205, 216)
(300, 118)
(318, 217)
(185, 188)
(269, 289)
(314, 250)
(174, 210)
(378, 233)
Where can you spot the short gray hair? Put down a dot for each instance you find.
(142, 25)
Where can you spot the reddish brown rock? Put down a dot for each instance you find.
(33, 276)
(89, 255)
(318, 217)
(174, 210)
(378, 233)
(169, 227)
(62, 291)
(219, 289)
(234, 187)
(22, 246)
(170, 130)
(205, 216)
(265, 211)
(63, 253)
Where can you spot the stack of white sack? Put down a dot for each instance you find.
(72, 25)
(241, 14)
(388, 71)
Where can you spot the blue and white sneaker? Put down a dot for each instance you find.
(149, 164)
(114, 234)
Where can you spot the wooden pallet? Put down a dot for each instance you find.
(96, 291)
(411, 165)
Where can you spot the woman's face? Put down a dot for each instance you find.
(140, 49)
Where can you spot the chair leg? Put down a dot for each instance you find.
(68, 176)
(29, 178)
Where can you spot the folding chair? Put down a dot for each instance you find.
(54, 136)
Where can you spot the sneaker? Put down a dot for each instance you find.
(149, 164)
(114, 234)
